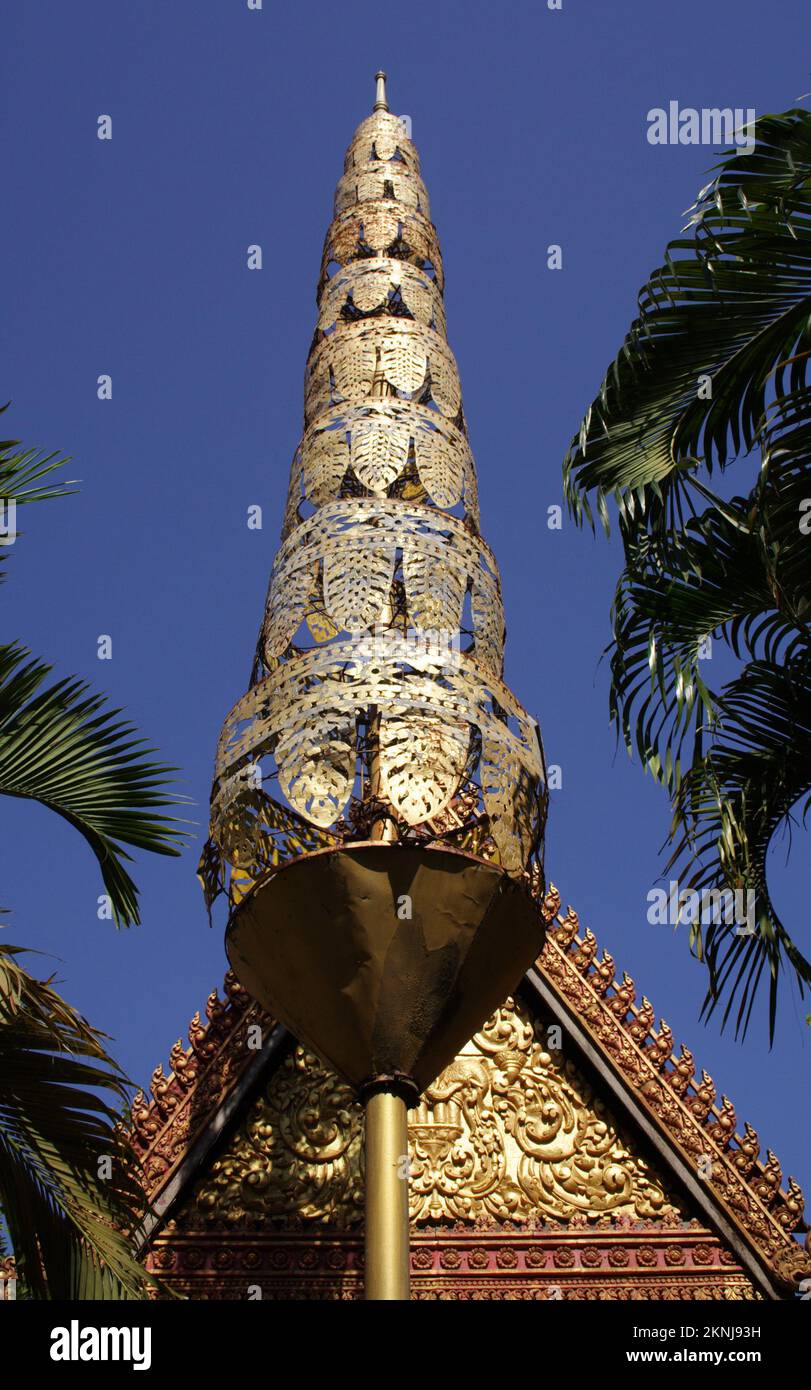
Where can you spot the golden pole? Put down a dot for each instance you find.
(387, 1262)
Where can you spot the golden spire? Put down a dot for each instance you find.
(377, 696)
(379, 799)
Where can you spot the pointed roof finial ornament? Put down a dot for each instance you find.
(380, 95)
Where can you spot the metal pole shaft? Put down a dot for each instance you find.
(387, 1262)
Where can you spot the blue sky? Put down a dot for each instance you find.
(128, 257)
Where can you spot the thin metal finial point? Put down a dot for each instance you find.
(380, 95)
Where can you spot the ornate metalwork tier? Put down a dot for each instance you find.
(376, 697)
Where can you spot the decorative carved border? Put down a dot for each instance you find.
(625, 1261)
(200, 1080)
(665, 1085)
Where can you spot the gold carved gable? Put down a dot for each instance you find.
(511, 1132)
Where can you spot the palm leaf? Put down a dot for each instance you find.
(711, 581)
(731, 305)
(732, 302)
(60, 1098)
(728, 809)
(60, 747)
(21, 481)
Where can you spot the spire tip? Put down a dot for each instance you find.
(381, 103)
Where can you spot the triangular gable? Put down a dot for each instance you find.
(676, 1186)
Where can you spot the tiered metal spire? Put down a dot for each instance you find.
(377, 709)
(379, 799)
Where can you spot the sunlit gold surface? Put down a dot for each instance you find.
(383, 447)
(386, 1149)
(383, 634)
(384, 957)
(509, 1131)
(376, 709)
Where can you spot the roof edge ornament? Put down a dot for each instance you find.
(381, 103)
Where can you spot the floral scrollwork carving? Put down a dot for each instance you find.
(510, 1130)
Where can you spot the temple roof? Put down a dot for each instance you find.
(695, 1133)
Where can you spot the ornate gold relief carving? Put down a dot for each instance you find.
(510, 1131)
(652, 1068)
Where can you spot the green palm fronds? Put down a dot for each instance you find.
(713, 373)
(59, 746)
(68, 1189)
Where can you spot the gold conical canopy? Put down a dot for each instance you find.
(379, 798)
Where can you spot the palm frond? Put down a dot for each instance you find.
(728, 809)
(68, 1188)
(712, 370)
(22, 472)
(710, 582)
(59, 746)
(730, 303)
